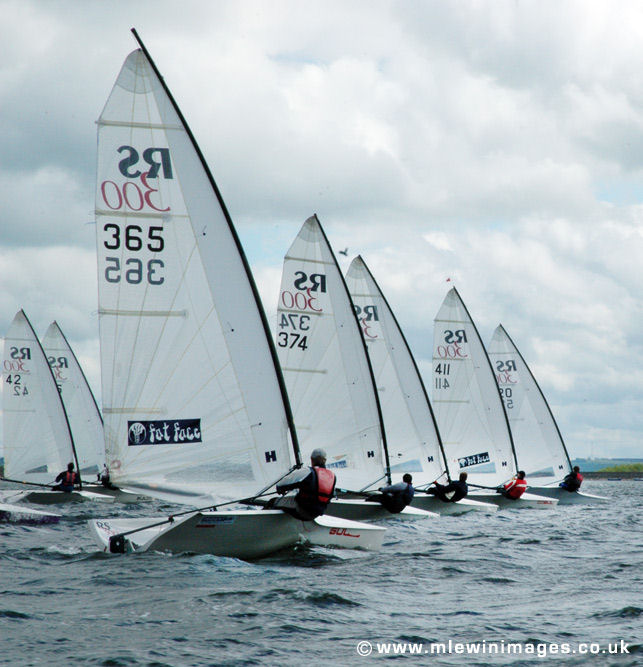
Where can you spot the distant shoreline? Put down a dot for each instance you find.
(603, 474)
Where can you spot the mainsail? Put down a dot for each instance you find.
(467, 404)
(193, 401)
(36, 435)
(325, 364)
(411, 433)
(539, 445)
(82, 412)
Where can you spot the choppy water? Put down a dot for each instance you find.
(573, 575)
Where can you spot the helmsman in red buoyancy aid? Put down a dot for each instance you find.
(516, 487)
(314, 491)
(67, 479)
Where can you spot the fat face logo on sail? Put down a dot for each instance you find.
(164, 432)
(474, 460)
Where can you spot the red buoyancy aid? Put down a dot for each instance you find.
(516, 488)
(325, 484)
(70, 478)
(579, 477)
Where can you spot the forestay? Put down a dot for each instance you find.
(325, 363)
(36, 436)
(191, 397)
(467, 403)
(83, 414)
(411, 434)
(540, 449)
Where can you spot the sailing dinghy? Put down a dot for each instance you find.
(37, 440)
(194, 405)
(469, 410)
(537, 438)
(412, 435)
(85, 420)
(328, 374)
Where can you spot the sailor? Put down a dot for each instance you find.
(104, 479)
(314, 490)
(572, 481)
(395, 497)
(515, 488)
(452, 492)
(68, 480)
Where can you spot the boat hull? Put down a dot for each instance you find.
(25, 515)
(526, 501)
(43, 497)
(246, 534)
(430, 503)
(569, 497)
(361, 510)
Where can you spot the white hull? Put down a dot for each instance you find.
(117, 494)
(243, 534)
(25, 515)
(430, 503)
(569, 497)
(526, 501)
(52, 497)
(361, 510)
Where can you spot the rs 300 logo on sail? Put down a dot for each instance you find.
(164, 432)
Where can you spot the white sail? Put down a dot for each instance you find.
(36, 436)
(411, 435)
(191, 396)
(324, 362)
(467, 404)
(540, 449)
(83, 414)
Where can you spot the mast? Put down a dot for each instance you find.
(60, 398)
(244, 260)
(493, 374)
(368, 361)
(412, 358)
(551, 414)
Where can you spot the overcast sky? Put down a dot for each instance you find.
(498, 144)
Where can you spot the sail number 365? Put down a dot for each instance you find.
(133, 269)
